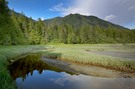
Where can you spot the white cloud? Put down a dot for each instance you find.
(124, 10)
(132, 7)
(58, 7)
(72, 10)
(42, 18)
(110, 17)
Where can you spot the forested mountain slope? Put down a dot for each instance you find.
(16, 28)
(77, 21)
(89, 29)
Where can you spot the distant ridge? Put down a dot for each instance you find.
(77, 20)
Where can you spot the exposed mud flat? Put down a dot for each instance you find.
(38, 72)
(87, 69)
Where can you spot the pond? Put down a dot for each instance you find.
(31, 72)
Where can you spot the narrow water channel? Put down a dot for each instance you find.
(31, 72)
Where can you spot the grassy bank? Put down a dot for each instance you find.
(84, 54)
(9, 52)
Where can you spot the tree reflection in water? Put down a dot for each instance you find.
(31, 73)
(24, 66)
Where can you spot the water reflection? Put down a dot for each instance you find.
(25, 66)
(31, 73)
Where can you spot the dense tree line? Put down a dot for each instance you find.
(39, 33)
(88, 34)
(9, 34)
(33, 31)
(16, 29)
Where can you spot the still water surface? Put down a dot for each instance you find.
(31, 73)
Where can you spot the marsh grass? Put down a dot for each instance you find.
(12, 52)
(73, 53)
(78, 54)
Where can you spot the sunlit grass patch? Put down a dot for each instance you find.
(77, 53)
(73, 53)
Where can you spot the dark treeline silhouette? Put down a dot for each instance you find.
(16, 28)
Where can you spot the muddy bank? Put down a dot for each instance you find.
(37, 72)
(87, 69)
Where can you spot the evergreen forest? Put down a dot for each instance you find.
(16, 28)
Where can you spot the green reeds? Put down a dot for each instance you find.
(10, 52)
(78, 54)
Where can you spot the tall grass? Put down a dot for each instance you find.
(9, 52)
(78, 54)
(73, 53)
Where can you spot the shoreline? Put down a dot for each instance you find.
(90, 70)
(68, 53)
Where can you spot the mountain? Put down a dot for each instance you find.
(71, 29)
(80, 29)
(77, 21)
(18, 29)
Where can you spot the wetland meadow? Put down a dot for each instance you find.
(78, 66)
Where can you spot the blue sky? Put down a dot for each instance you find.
(120, 12)
(36, 8)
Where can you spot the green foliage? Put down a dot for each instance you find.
(76, 28)
(88, 54)
(16, 28)
(77, 21)
(9, 33)
(10, 52)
